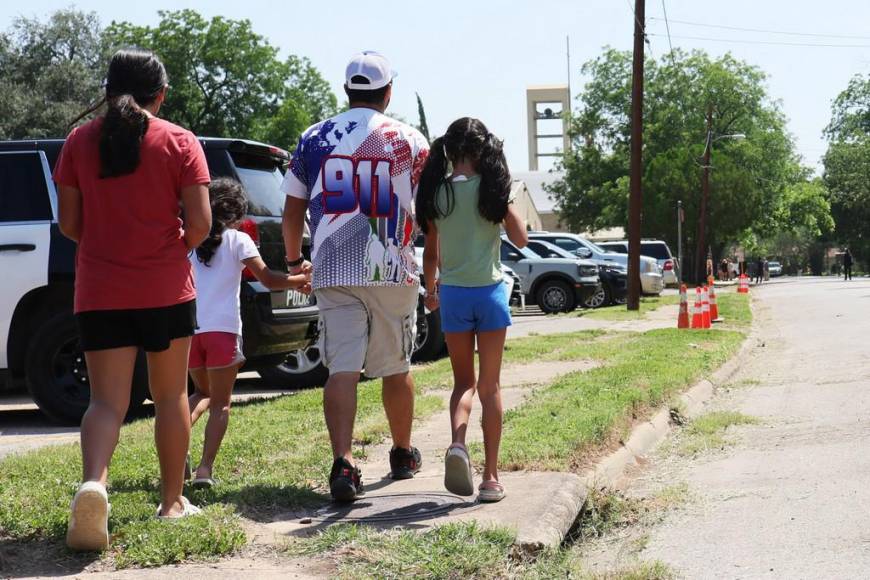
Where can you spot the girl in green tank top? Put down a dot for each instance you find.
(462, 204)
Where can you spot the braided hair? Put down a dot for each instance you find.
(229, 205)
(466, 139)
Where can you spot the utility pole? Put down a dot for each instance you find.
(700, 261)
(635, 202)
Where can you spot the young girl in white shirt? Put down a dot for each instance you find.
(216, 349)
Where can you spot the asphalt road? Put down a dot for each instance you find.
(791, 499)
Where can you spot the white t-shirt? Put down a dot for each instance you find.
(218, 308)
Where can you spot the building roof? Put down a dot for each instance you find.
(535, 181)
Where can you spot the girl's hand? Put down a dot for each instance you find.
(432, 302)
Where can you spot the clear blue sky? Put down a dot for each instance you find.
(475, 57)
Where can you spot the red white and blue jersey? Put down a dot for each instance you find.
(359, 170)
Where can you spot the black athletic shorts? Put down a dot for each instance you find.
(148, 328)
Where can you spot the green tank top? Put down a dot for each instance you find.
(469, 244)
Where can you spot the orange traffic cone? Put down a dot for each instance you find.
(697, 316)
(683, 317)
(705, 307)
(744, 284)
(710, 280)
(714, 307)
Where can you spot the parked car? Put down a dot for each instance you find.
(613, 276)
(774, 269)
(658, 250)
(39, 344)
(554, 284)
(651, 279)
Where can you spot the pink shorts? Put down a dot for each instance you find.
(215, 350)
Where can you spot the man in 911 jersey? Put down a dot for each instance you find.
(356, 174)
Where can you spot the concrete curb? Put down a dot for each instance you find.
(567, 505)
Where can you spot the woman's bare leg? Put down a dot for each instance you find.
(221, 383)
(167, 371)
(461, 348)
(490, 347)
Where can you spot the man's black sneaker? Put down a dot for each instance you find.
(345, 481)
(404, 463)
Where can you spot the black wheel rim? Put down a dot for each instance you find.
(69, 372)
(422, 331)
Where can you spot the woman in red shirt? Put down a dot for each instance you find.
(123, 181)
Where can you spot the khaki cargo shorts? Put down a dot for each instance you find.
(367, 328)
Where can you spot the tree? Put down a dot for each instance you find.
(227, 81)
(748, 178)
(51, 72)
(847, 165)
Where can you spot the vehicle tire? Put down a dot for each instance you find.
(302, 369)
(429, 339)
(601, 297)
(555, 296)
(57, 376)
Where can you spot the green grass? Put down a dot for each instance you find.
(707, 432)
(619, 312)
(453, 551)
(534, 348)
(734, 308)
(276, 455)
(464, 550)
(559, 426)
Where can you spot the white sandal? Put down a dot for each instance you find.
(457, 471)
(89, 518)
(491, 491)
(189, 510)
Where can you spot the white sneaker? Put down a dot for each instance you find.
(89, 518)
(189, 510)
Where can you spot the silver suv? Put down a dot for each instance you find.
(555, 285)
(651, 279)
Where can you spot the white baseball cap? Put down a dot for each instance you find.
(372, 66)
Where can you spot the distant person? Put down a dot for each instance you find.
(463, 202)
(759, 271)
(847, 265)
(124, 181)
(357, 173)
(216, 349)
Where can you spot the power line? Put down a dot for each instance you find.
(763, 30)
(767, 42)
(668, 28)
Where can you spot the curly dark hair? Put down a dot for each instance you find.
(229, 205)
(469, 139)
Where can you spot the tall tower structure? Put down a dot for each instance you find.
(548, 128)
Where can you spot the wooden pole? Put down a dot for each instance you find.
(635, 202)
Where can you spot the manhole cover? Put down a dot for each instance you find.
(396, 507)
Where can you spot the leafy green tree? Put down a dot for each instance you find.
(227, 81)
(421, 113)
(847, 165)
(51, 72)
(748, 179)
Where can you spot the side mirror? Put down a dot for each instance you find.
(584, 253)
(514, 256)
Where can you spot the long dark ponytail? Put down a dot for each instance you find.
(134, 80)
(469, 139)
(229, 205)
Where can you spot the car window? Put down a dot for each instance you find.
(262, 180)
(569, 244)
(657, 250)
(23, 189)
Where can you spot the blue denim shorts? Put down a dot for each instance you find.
(478, 309)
